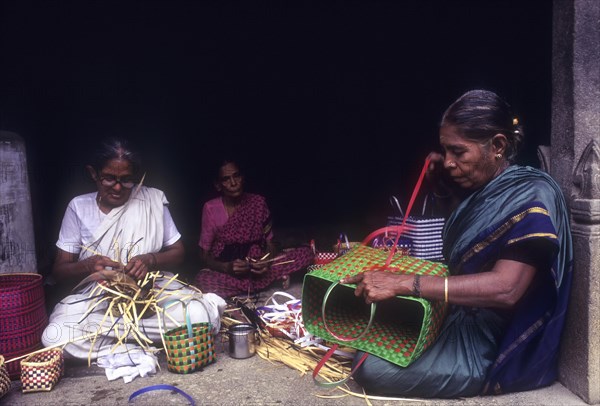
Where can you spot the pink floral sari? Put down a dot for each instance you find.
(245, 235)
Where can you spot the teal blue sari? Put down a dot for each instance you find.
(521, 204)
(484, 350)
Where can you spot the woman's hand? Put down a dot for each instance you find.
(239, 267)
(99, 263)
(376, 286)
(260, 267)
(436, 175)
(139, 266)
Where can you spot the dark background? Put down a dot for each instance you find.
(332, 104)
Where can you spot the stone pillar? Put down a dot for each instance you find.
(575, 164)
(17, 242)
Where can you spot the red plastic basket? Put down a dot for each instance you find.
(18, 290)
(12, 341)
(23, 316)
(14, 320)
(16, 343)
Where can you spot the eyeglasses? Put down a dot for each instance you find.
(110, 181)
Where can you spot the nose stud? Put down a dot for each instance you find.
(452, 164)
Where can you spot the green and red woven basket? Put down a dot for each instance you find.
(186, 352)
(401, 329)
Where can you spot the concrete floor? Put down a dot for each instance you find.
(229, 381)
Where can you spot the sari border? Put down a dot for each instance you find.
(500, 231)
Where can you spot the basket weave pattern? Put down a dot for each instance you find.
(188, 354)
(41, 372)
(23, 317)
(4, 378)
(347, 316)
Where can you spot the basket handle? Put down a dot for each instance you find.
(186, 313)
(402, 227)
(370, 322)
(396, 204)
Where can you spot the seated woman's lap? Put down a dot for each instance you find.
(71, 320)
(226, 285)
(454, 366)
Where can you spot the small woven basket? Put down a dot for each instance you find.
(4, 378)
(185, 353)
(41, 372)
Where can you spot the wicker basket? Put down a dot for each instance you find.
(41, 372)
(187, 352)
(23, 317)
(4, 378)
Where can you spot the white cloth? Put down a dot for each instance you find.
(129, 362)
(83, 219)
(136, 227)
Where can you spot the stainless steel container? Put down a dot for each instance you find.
(243, 339)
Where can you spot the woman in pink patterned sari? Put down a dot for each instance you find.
(236, 241)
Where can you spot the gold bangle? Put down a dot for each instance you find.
(446, 290)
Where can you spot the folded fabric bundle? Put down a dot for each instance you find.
(129, 362)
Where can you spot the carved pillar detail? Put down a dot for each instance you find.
(580, 366)
(586, 198)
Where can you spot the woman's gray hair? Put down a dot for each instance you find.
(116, 148)
(481, 114)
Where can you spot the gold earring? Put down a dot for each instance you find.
(498, 156)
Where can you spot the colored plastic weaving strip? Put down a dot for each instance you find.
(400, 229)
(162, 387)
(325, 359)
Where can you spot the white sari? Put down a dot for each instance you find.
(129, 230)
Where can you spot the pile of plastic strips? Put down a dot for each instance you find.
(128, 302)
(283, 339)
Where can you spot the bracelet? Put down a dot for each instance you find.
(446, 289)
(417, 286)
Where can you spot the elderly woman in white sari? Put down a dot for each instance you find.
(123, 229)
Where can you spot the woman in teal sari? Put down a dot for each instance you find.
(508, 247)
